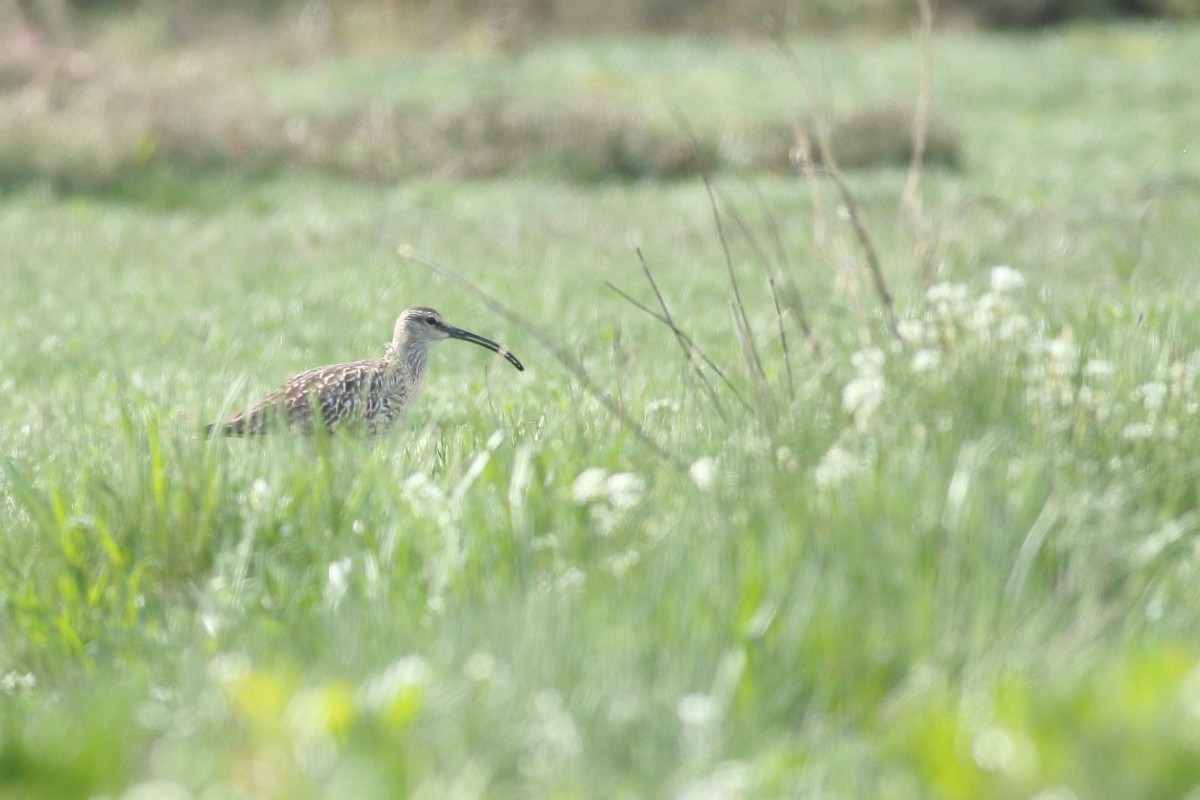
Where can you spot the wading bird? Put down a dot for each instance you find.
(367, 395)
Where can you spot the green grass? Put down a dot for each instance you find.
(984, 586)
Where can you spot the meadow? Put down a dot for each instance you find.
(957, 562)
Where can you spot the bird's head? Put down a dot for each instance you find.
(420, 325)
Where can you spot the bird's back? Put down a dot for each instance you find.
(370, 393)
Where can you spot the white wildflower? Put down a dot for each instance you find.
(663, 404)
(604, 517)
(421, 493)
(1137, 431)
(620, 564)
(836, 465)
(704, 471)
(406, 676)
(700, 722)
(698, 709)
(21, 683)
(869, 361)
(1006, 280)
(480, 667)
(157, 789)
(998, 750)
(1098, 369)
(1153, 395)
(731, 780)
(310, 715)
(624, 489)
(947, 299)
(1013, 327)
(259, 496)
(555, 738)
(1189, 692)
(862, 397)
(589, 486)
(227, 668)
(1062, 354)
(913, 331)
(339, 581)
(571, 581)
(1056, 792)
(987, 312)
(925, 361)
(1088, 398)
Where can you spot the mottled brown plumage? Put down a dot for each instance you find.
(368, 395)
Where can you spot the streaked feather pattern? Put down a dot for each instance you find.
(367, 395)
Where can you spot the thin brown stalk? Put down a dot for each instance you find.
(682, 340)
(691, 343)
(822, 128)
(802, 155)
(766, 262)
(829, 170)
(798, 307)
(868, 249)
(912, 200)
(737, 294)
(769, 220)
(716, 210)
(783, 342)
(772, 227)
(791, 297)
(560, 353)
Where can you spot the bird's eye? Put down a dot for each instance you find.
(431, 320)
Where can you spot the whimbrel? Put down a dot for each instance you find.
(369, 394)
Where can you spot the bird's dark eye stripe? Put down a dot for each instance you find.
(431, 320)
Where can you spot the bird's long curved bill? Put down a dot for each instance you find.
(467, 336)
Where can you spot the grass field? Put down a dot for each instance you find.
(960, 567)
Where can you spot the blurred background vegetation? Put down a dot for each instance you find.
(984, 587)
(109, 95)
(520, 18)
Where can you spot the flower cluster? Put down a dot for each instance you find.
(962, 341)
(952, 316)
(607, 497)
(863, 395)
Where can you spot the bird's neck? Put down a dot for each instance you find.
(407, 354)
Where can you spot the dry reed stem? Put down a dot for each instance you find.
(868, 249)
(753, 356)
(912, 199)
(783, 342)
(685, 338)
(802, 155)
(763, 258)
(830, 171)
(684, 341)
(772, 279)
